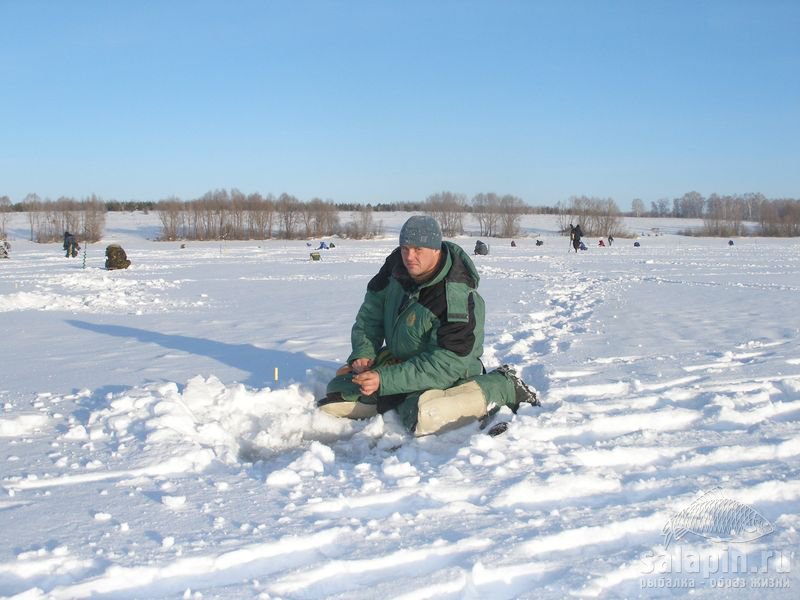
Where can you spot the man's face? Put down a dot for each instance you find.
(420, 262)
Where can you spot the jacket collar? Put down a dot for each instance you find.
(401, 273)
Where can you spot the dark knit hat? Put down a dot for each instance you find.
(421, 231)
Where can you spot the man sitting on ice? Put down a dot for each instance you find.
(417, 341)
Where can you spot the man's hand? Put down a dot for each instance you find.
(368, 381)
(360, 365)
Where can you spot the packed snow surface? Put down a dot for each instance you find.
(159, 437)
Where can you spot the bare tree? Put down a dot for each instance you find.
(32, 205)
(690, 205)
(234, 227)
(660, 208)
(289, 209)
(217, 215)
(319, 218)
(262, 215)
(752, 202)
(723, 216)
(172, 214)
(213, 212)
(93, 212)
(607, 219)
(596, 216)
(49, 220)
(85, 219)
(5, 209)
(486, 210)
(637, 207)
(364, 226)
(307, 210)
(448, 209)
(511, 210)
(784, 217)
(326, 218)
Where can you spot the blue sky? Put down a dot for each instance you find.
(381, 101)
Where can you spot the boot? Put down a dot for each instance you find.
(335, 405)
(522, 393)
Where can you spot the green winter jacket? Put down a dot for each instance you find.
(434, 329)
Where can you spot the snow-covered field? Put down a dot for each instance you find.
(158, 437)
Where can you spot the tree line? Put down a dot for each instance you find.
(148, 205)
(726, 215)
(223, 214)
(233, 215)
(49, 220)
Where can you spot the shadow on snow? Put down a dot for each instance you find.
(258, 362)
